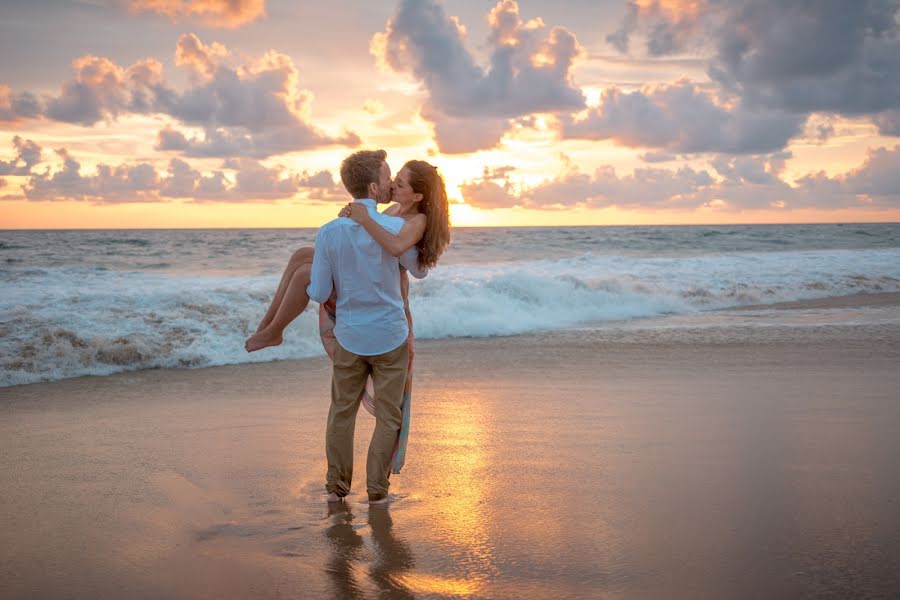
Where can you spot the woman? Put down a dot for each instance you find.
(420, 198)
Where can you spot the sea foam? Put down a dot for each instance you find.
(60, 322)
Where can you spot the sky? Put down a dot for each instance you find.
(237, 113)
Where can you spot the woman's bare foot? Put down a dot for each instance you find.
(262, 339)
(263, 324)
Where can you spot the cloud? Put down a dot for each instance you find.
(230, 141)
(657, 157)
(763, 169)
(16, 107)
(682, 118)
(123, 183)
(529, 71)
(844, 59)
(239, 180)
(201, 59)
(669, 25)
(486, 193)
(831, 55)
(461, 135)
(877, 177)
(820, 127)
(254, 180)
(736, 183)
(888, 122)
(182, 181)
(644, 188)
(102, 90)
(28, 154)
(168, 138)
(215, 13)
(253, 108)
(797, 56)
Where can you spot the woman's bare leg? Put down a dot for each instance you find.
(300, 257)
(292, 304)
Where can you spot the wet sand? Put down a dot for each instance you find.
(714, 463)
(885, 299)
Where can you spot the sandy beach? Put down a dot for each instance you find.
(723, 462)
(648, 251)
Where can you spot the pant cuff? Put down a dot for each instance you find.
(335, 490)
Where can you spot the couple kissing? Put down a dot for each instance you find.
(358, 272)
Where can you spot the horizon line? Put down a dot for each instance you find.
(724, 223)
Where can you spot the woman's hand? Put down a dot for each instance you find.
(356, 211)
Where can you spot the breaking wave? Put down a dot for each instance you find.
(66, 322)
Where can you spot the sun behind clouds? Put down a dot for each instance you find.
(671, 112)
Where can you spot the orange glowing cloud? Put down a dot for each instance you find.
(248, 107)
(670, 25)
(200, 58)
(217, 13)
(674, 9)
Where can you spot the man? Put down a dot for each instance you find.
(370, 327)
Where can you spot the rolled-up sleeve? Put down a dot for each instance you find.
(410, 261)
(321, 279)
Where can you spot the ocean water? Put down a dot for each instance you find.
(99, 302)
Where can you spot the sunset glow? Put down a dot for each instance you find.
(218, 114)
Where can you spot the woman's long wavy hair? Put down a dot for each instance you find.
(425, 179)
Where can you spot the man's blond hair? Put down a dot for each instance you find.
(360, 169)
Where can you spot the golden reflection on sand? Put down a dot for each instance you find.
(452, 442)
(453, 460)
(423, 583)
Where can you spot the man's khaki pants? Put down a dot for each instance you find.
(351, 370)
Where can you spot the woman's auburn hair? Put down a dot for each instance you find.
(425, 179)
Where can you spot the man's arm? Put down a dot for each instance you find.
(410, 261)
(321, 277)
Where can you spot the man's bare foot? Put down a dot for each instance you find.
(384, 500)
(332, 497)
(262, 339)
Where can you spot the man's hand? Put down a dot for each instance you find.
(356, 211)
